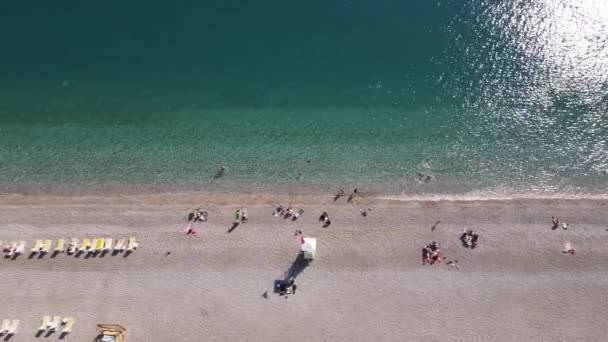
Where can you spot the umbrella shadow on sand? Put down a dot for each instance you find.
(298, 265)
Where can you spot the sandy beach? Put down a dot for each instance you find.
(366, 284)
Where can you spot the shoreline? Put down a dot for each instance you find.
(225, 198)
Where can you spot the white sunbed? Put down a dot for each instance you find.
(46, 321)
(11, 248)
(6, 325)
(13, 329)
(68, 323)
(20, 247)
(54, 325)
(120, 245)
(107, 244)
(73, 247)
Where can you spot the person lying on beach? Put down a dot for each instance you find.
(287, 213)
(297, 214)
(339, 194)
(453, 263)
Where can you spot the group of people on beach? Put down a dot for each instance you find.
(431, 253)
(469, 238)
(286, 212)
(240, 215)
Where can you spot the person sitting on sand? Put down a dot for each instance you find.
(244, 216)
(555, 221)
(278, 210)
(237, 215)
(324, 218)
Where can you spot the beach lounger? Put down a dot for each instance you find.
(84, 245)
(10, 248)
(55, 323)
(20, 247)
(46, 321)
(46, 246)
(73, 247)
(120, 245)
(13, 329)
(6, 325)
(60, 246)
(97, 245)
(107, 244)
(37, 246)
(68, 323)
(132, 244)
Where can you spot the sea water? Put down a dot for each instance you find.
(421, 98)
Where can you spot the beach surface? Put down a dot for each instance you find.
(367, 282)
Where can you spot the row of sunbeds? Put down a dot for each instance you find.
(73, 246)
(9, 327)
(52, 325)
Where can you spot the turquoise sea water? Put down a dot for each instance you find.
(492, 98)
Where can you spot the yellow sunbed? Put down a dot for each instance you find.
(46, 321)
(69, 323)
(37, 246)
(46, 246)
(84, 245)
(132, 244)
(60, 245)
(97, 244)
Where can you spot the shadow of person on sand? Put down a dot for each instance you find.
(234, 225)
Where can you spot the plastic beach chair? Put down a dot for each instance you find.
(84, 245)
(37, 246)
(46, 246)
(120, 245)
(20, 247)
(107, 244)
(68, 323)
(132, 244)
(73, 247)
(60, 246)
(98, 245)
(13, 328)
(55, 323)
(6, 325)
(46, 321)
